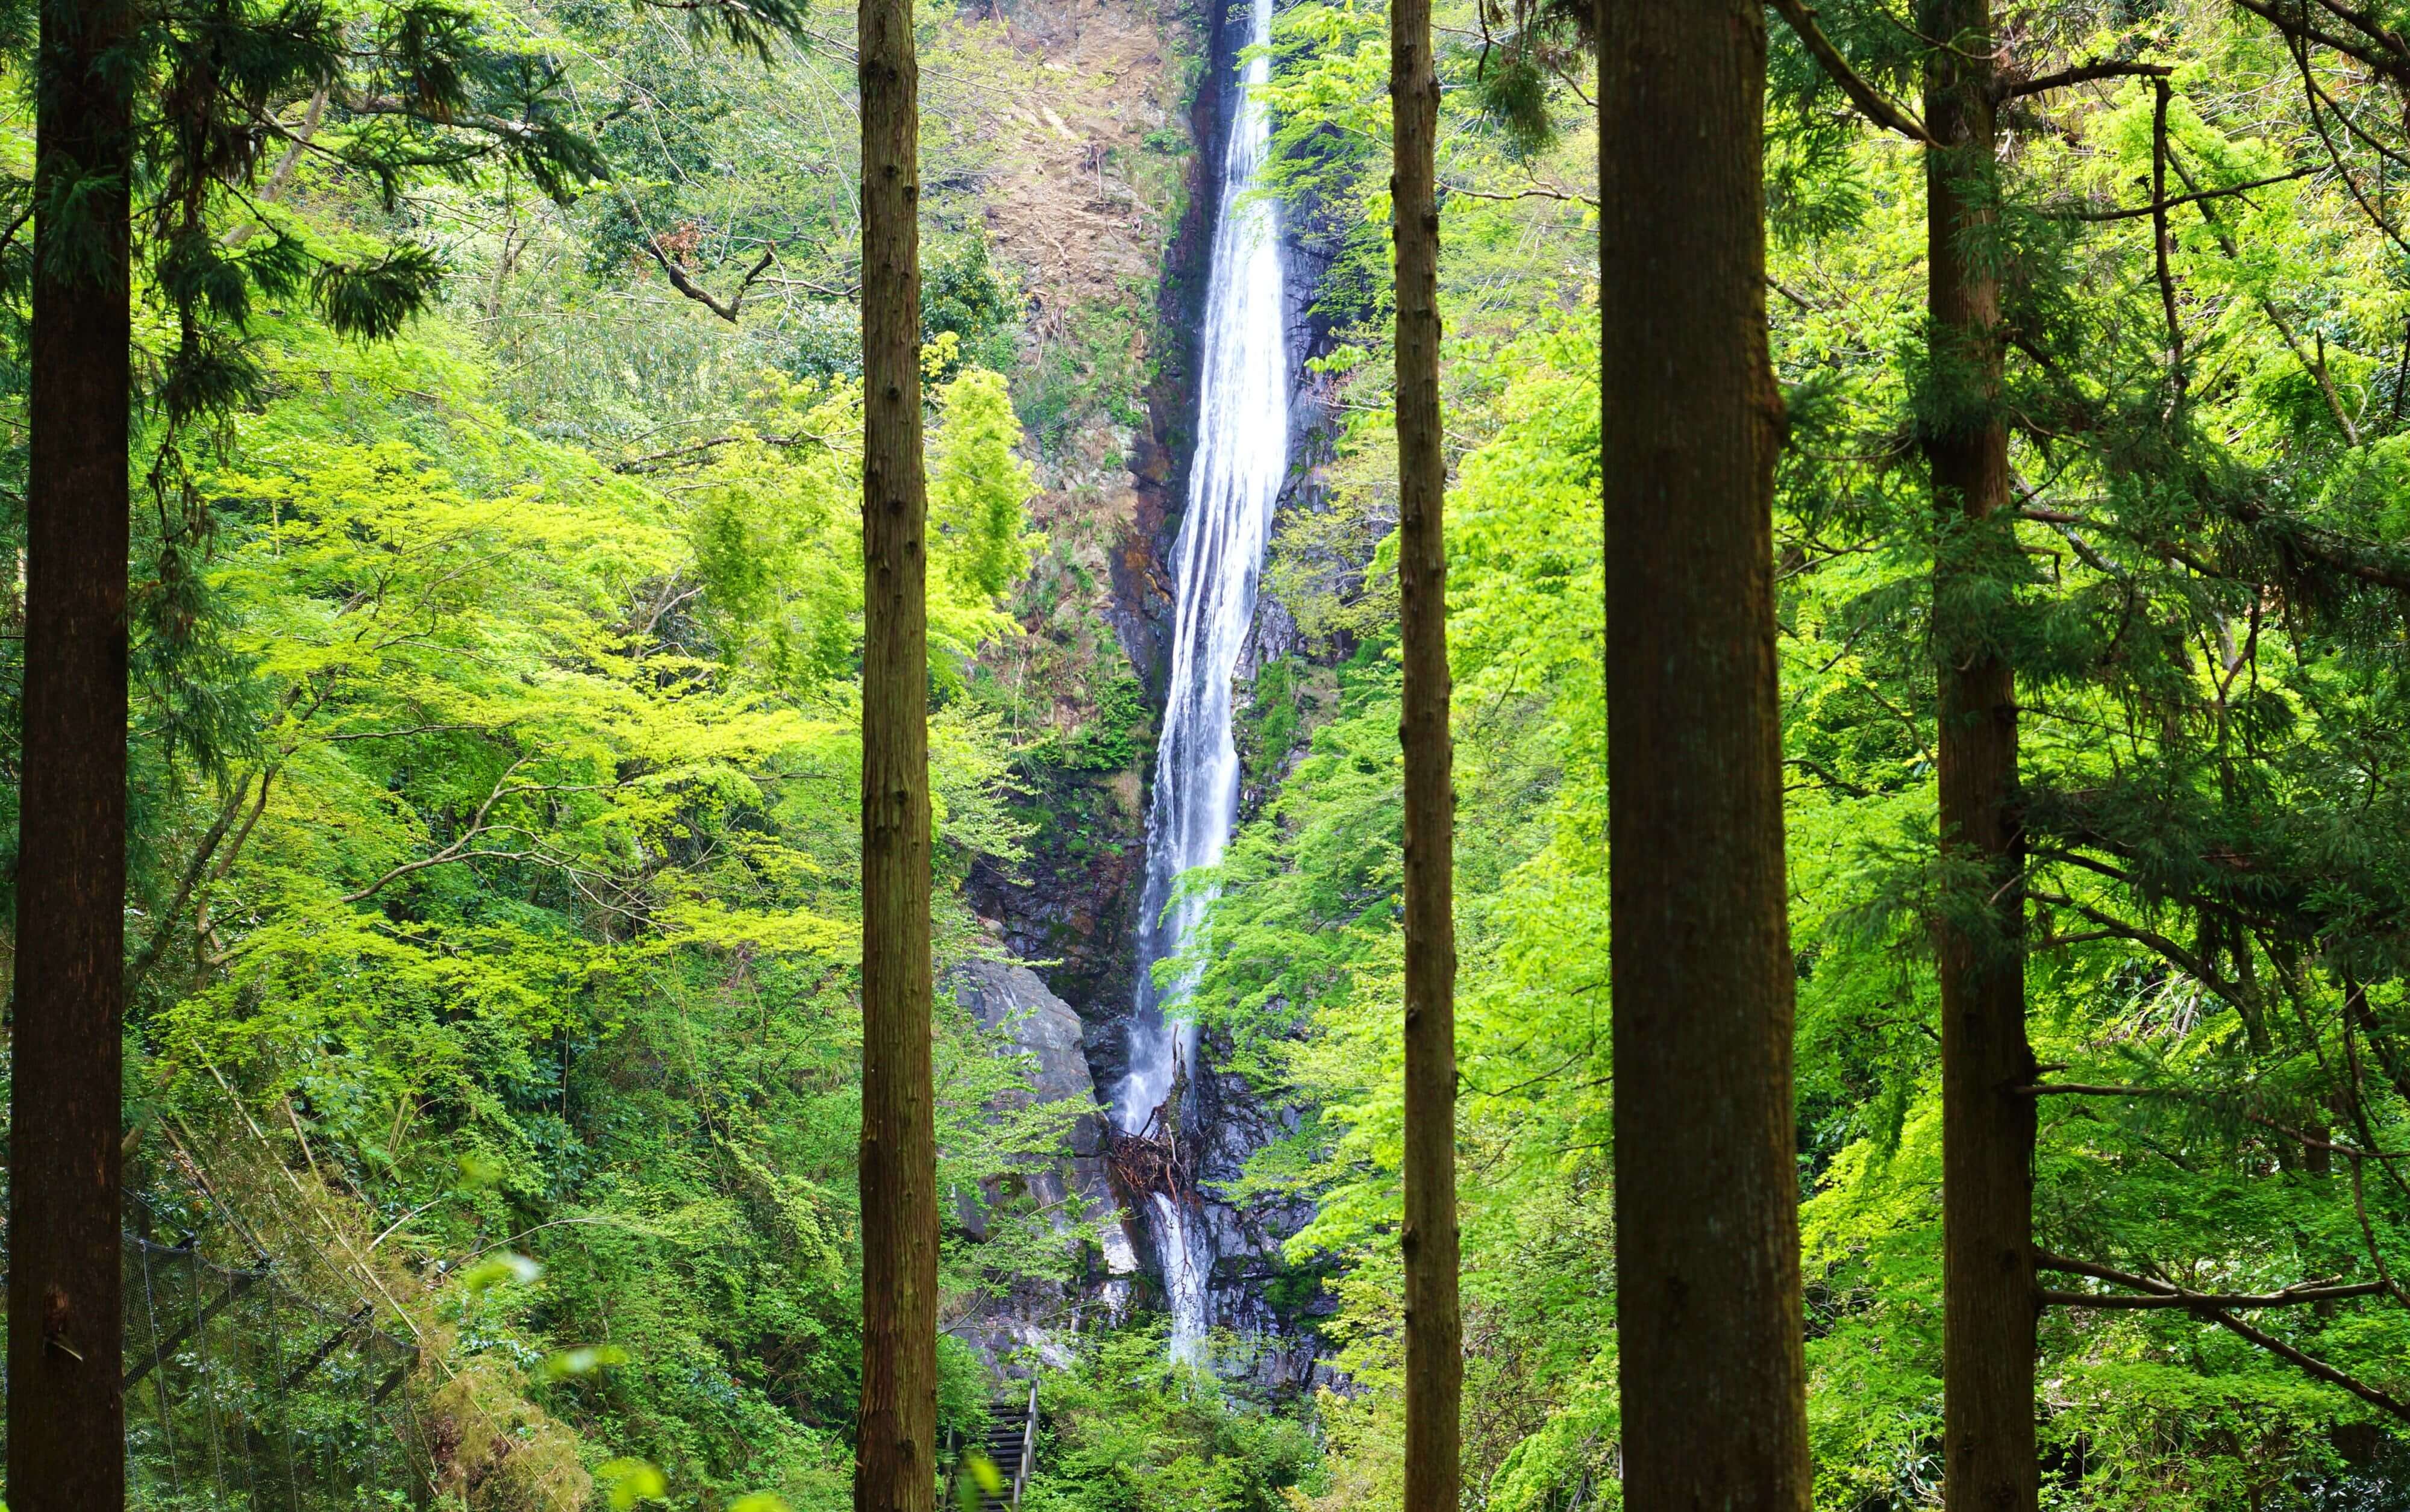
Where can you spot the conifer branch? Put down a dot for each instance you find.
(2309, 1140)
(2152, 1293)
(2191, 964)
(1871, 102)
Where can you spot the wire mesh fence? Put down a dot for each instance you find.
(250, 1387)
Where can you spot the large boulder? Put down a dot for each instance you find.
(1073, 1189)
(1008, 997)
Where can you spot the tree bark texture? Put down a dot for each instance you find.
(1430, 1239)
(66, 1412)
(1709, 1306)
(1987, 1126)
(896, 1467)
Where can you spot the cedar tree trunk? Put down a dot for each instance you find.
(1987, 1124)
(1708, 1305)
(67, 1421)
(1434, 1351)
(895, 1468)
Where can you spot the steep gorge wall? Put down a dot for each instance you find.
(1107, 395)
(1094, 617)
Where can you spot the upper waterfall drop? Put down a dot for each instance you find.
(1235, 479)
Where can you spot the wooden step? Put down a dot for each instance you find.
(1007, 1429)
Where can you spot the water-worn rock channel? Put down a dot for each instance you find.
(1170, 1131)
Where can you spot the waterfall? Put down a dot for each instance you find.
(1241, 456)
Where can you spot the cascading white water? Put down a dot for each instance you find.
(1241, 456)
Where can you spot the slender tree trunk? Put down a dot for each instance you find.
(1708, 1310)
(1987, 1126)
(67, 1419)
(895, 1467)
(1434, 1333)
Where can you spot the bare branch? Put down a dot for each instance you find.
(2310, 1365)
(2394, 64)
(198, 868)
(15, 225)
(2081, 74)
(654, 461)
(2317, 369)
(2290, 1297)
(2160, 239)
(404, 732)
(684, 282)
(2334, 154)
(2155, 1294)
(2160, 207)
(458, 848)
(2214, 1309)
(2191, 965)
(298, 142)
(1536, 191)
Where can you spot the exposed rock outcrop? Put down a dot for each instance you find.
(1099, 604)
(1074, 1189)
(1009, 999)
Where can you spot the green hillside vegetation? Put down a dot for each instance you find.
(494, 917)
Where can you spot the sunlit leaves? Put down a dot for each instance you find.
(507, 1269)
(629, 1482)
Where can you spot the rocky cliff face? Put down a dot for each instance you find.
(1074, 1190)
(1095, 619)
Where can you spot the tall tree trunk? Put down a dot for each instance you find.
(1987, 1125)
(895, 1465)
(1434, 1333)
(1708, 1309)
(66, 1413)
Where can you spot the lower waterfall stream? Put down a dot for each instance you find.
(1240, 458)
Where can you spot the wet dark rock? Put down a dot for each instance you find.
(1255, 1292)
(1071, 902)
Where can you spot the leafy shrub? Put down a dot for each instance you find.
(1127, 1430)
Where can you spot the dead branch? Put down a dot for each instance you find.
(2214, 1308)
(2083, 73)
(684, 282)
